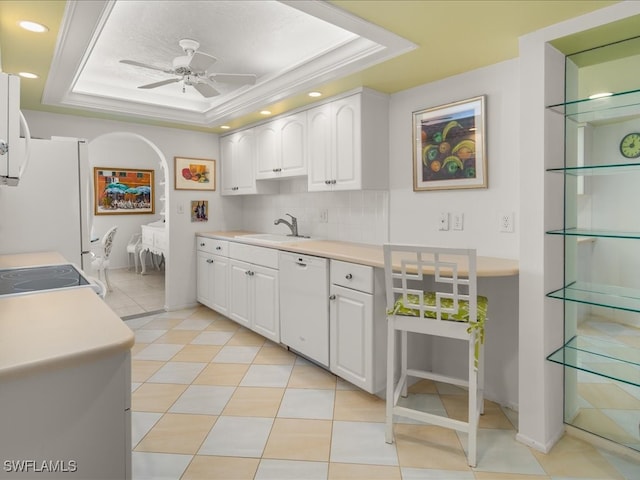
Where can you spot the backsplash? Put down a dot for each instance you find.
(355, 216)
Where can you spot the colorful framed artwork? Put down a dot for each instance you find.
(449, 146)
(122, 191)
(199, 210)
(195, 174)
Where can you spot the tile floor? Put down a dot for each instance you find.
(212, 400)
(134, 294)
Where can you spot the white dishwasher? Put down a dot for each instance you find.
(304, 305)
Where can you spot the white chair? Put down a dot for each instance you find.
(101, 263)
(133, 249)
(433, 291)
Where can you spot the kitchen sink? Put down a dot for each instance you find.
(271, 238)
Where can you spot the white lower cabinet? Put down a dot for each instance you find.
(253, 289)
(358, 325)
(212, 274)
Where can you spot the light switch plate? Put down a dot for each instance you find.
(457, 220)
(443, 224)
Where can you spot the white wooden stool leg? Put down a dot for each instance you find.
(391, 355)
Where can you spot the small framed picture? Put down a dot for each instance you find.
(199, 210)
(195, 174)
(449, 146)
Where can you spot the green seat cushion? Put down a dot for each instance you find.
(462, 315)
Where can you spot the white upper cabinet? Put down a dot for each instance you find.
(281, 147)
(238, 155)
(347, 143)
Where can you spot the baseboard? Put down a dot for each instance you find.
(540, 447)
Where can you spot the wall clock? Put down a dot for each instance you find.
(630, 145)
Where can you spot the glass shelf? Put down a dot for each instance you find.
(621, 104)
(613, 360)
(591, 170)
(586, 232)
(610, 296)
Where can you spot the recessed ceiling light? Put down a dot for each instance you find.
(265, 112)
(33, 26)
(315, 94)
(27, 75)
(600, 95)
(225, 127)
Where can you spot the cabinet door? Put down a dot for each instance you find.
(267, 150)
(319, 148)
(243, 163)
(346, 131)
(204, 263)
(239, 295)
(266, 318)
(227, 145)
(293, 145)
(219, 280)
(351, 320)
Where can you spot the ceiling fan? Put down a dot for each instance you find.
(192, 69)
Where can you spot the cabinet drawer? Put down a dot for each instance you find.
(212, 245)
(267, 257)
(352, 275)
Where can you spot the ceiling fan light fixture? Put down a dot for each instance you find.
(33, 26)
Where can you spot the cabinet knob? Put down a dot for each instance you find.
(333, 182)
(332, 297)
(218, 247)
(202, 244)
(348, 276)
(209, 260)
(328, 182)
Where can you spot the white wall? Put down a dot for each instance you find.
(224, 213)
(414, 216)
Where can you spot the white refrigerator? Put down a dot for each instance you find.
(50, 209)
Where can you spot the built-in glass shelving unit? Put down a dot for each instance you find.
(615, 106)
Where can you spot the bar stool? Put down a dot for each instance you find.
(451, 310)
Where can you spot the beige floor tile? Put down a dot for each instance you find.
(229, 374)
(196, 353)
(180, 337)
(137, 348)
(428, 446)
(423, 386)
(224, 468)
(254, 402)
(310, 376)
(358, 406)
(299, 439)
(177, 433)
(457, 407)
(244, 337)
(141, 370)
(161, 324)
(607, 395)
(223, 324)
(634, 341)
(352, 471)
(155, 397)
(572, 457)
(508, 476)
(274, 355)
(593, 420)
(206, 313)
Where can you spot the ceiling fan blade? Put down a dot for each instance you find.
(144, 65)
(206, 90)
(201, 62)
(159, 84)
(238, 78)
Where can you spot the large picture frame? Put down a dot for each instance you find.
(195, 174)
(449, 146)
(118, 191)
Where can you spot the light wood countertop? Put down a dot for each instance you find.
(361, 253)
(56, 328)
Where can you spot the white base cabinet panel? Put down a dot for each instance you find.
(212, 274)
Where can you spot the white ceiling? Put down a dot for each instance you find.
(260, 37)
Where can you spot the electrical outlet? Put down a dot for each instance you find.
(324, 216)
(457, 219)
(443, 224)
(180, 208)
(505, 222)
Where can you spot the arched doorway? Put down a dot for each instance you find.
(135, 295)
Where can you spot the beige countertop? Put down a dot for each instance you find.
(53, 329)
(361, 253)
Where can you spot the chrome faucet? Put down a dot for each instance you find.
(293, 225)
